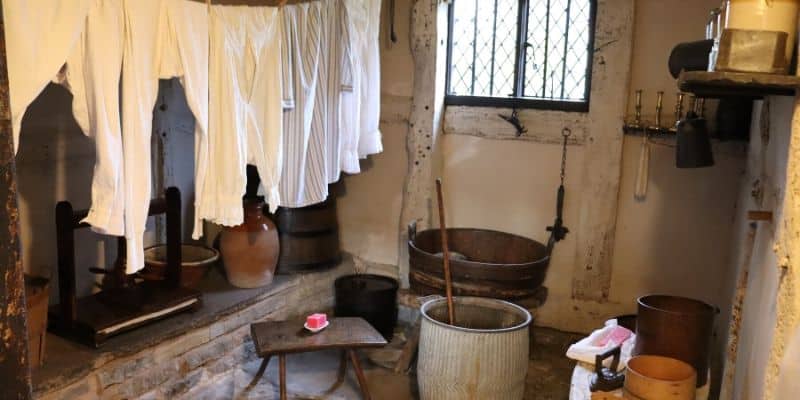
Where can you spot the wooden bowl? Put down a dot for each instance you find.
(196, 259)
(659, 378)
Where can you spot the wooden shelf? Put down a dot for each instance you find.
(737, 84)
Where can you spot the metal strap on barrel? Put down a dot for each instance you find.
(558, 231)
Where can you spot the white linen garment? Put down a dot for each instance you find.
(360, 122)
(184, 37)
(301, 48)
(139, 89)
(337, 64)
(39, 36)
(92, 73)
(245, 122)
(370, 136)
(369, 141)
(353, 34)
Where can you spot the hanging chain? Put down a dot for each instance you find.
(566, 133)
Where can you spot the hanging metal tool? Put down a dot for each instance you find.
(392, 32)
(558, 231)
(513, 119)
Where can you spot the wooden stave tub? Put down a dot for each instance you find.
(309, 238)
(519, 276)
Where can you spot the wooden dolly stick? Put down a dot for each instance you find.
(446, 255)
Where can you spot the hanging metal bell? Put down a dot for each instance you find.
(693, 143)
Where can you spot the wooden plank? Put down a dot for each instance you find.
(602, 165)
(737, 84)
(15, 378)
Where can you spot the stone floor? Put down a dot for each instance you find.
(310, 374)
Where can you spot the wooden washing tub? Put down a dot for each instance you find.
(497, 265)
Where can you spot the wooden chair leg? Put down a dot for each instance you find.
(260, 373)
(341, 375)
(362, 380)
(282, 365)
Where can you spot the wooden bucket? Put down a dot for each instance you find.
(659, 378)
(309, 238)
(484, 356)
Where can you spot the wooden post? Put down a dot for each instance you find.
(15, 377)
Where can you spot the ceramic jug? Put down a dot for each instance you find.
(250, 250)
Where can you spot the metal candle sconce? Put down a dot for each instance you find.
(637, 126)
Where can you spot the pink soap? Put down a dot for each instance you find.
(316, 321)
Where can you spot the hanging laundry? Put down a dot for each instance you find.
(35, 55)
(360, 109)
(336, 71)
(92, 73)
(353, 33)
(246, 106)
(139, 90)
(369, 141)
(301, 52)
(185, 55)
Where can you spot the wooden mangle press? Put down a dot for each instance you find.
(125, 302)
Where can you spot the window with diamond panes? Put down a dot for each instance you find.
(521, 53)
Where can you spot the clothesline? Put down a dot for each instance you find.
(269, 3)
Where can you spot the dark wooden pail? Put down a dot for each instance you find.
(309, 238)
(498, 265)
(676, 327)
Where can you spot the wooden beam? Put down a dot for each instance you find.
(429, 50)
(15, 378)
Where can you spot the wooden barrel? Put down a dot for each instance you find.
(494, 264)
(309, 238)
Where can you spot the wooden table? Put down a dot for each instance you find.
(285, 337)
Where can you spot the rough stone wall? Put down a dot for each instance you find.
(201, 364)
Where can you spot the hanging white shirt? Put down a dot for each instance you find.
(92, 73)
(301, 47)
(39, 36)
(354, 34)
(370, 136)
(336, 64)
(245, 124)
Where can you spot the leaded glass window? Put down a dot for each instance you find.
(521, 53)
